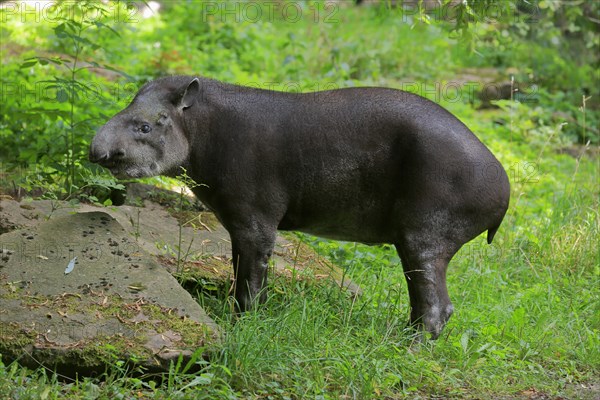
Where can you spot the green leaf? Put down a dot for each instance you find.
(103, 25)
(464, 341)
(62, 95)
(28, 64)
(38, 112)
(59, 29)
(126, 75)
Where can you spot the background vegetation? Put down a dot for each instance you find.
(528, 319)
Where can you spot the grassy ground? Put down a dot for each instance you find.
(527, 322)
(527, 319)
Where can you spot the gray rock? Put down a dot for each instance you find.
(117, 303)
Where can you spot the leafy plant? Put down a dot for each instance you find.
(76, 27)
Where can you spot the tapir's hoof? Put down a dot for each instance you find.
(433, 322)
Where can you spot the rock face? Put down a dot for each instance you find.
(120, 301)
(113, 302)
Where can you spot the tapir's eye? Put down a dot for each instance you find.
(145, 128)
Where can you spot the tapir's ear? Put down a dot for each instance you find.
(191, 93)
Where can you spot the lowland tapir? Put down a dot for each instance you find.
(371, 165)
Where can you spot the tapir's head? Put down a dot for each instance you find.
(148, 137)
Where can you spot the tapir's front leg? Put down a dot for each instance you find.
(252, 246)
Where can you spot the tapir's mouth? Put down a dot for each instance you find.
(130, 171)
(119, 170)
(120, 174)
(124, 172)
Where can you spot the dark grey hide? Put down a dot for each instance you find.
(371, 165)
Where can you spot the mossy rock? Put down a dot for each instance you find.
(116, 303)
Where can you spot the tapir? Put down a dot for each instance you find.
(372, 165)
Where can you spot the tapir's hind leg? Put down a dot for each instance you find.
(425, 264)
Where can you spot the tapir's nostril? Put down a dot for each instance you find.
(97, 157)
(118, 154)
(104, 157)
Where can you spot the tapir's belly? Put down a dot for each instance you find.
(363, 234)
(356, 217)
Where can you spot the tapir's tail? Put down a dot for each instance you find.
(491, 233)
(504, 198)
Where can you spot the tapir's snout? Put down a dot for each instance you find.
(105, 157)
(97, 155)
(101, 152)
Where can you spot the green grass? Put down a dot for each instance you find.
(527, 307)
(527, 317)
